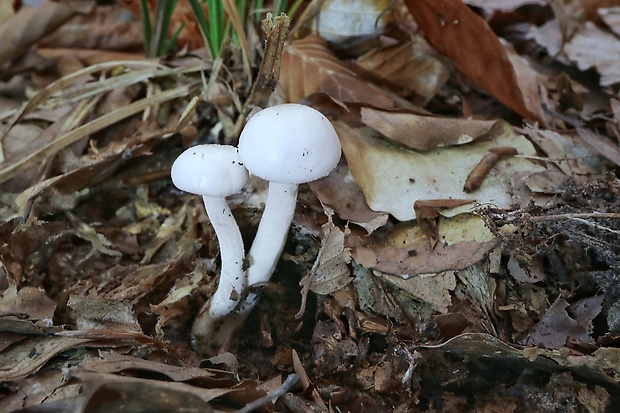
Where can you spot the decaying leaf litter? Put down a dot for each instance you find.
(462, 257)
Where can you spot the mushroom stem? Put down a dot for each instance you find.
(232, 279)
(272, 232)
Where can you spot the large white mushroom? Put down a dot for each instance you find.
(215, 171)
(286, 145)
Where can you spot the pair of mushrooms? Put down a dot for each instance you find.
(286, 145)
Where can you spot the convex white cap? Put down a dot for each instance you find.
(209, 170)
(290, 144)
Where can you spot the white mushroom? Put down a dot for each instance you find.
(215, 171)
(286, 145)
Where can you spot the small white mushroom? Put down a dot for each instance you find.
(286, 145)
(215, 171)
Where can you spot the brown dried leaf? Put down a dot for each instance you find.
(340, 191)
(563, 322)
(600, 145)
(20, 361)
(456, 31)
(136, 396)
(106, 27)
(92, 312)
(308, 66)
(404, 250)
(28, 303)
(330, 271)
(29, 25)
(408, 65)
(117, 363)
(425, 132)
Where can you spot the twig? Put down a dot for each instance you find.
(269, 71)
(280, 391)
(612, 215)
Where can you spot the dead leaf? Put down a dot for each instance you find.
(407, 64)
(601, 145)
(28, 25)
(330, 272)
(404, 250)
(340, 191)
(308, 66)
(92, 312)
(135, 396)
(28, 303)
(564, 322)
(433, 289)
(593, 47)
(426, 132)
(456, 31)
(393, 178)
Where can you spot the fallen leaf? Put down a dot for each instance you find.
(394, 178)
(308, 66)
(340, 191)
(92, 312)
(563, 322)
(433, 289)
(29, 25)
(409, 65)
(404, 250)
(593, 47)
(330, 272)
(456, 31)
(426, 132)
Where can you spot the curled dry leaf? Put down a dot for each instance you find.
(456, 31)
(409, 65)
(425, 132)
(308, 66)
(28, 303)
(114, 393)
(340, 191)
(29, 25)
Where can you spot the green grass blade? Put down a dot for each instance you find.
(146, 26)
(204, 26)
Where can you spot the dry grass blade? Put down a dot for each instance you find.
(63, 84)
(233, 14)
(91, 127)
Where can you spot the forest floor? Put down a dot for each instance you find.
(463, 256)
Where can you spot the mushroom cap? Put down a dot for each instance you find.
(289, 144)
(209, 170)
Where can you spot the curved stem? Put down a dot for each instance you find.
(272, 232)
(232, 278)
(270, 239)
